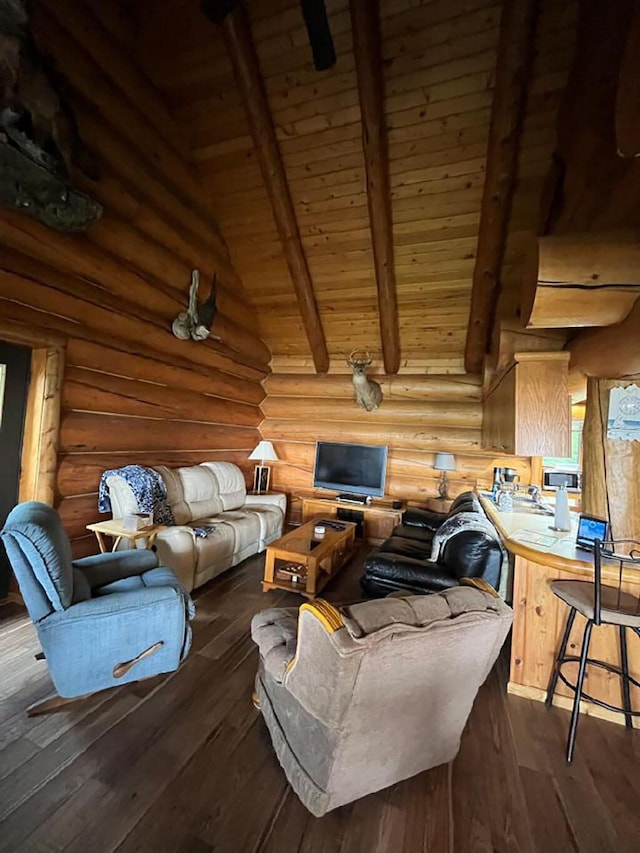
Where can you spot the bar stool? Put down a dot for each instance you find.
(600, 605)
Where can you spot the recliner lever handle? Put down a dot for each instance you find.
(121, 669)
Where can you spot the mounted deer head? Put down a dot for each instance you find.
(368, 392)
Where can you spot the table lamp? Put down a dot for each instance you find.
(264, 452)
(444, 462)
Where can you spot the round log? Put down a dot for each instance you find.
(86, 432)
(452, 438)
(150, 258)
(406, 412)
(130, 328)
(156, 367)
(612, 352)
(86, 390)
(79, 473)
(580, 279)
(435, 388)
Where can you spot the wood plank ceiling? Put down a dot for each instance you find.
(439, 58)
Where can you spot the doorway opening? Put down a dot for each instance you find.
(31, 383)
(15, 368)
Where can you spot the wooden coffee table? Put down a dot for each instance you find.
(314, 560)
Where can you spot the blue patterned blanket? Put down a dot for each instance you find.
(148, 488)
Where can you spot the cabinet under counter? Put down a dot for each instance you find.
(540, 556)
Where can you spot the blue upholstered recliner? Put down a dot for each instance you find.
(102, 620)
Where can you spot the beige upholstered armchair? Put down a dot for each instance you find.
(359, 698)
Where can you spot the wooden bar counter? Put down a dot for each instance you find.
(542, 555)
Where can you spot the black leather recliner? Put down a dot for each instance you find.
(403, 562)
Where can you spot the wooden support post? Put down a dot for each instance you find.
(611, 486)
(367, 49)
(515, 48)
(246, 69)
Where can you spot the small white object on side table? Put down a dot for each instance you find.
(115, 528)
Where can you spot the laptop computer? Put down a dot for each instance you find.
(590, 528)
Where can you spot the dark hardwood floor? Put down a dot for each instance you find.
(183, 763)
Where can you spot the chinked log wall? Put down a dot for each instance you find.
(419, 416)
(132, 392)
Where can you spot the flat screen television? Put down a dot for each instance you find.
(356, 468)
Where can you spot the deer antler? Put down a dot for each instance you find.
(359, 362)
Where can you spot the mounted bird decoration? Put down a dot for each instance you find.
(197, 320)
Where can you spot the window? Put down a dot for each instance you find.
(573, 462)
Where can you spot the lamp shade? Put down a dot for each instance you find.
(444, 462)
(264, 452)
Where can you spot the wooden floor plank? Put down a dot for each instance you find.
(545, 731)
(184, 762)
(489, 806)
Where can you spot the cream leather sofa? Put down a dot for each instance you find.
(213, 493)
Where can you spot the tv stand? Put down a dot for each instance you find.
(352, 498)
(375, 520)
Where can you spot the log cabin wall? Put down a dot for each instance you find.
(132, 392)
(419, 416)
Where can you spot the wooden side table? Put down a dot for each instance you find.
(113, 528)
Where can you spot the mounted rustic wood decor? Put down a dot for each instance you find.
(39, 140)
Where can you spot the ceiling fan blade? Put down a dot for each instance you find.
(317, 23)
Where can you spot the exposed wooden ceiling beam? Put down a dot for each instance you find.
(246, 69)
(367, 48)
(515, 49)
